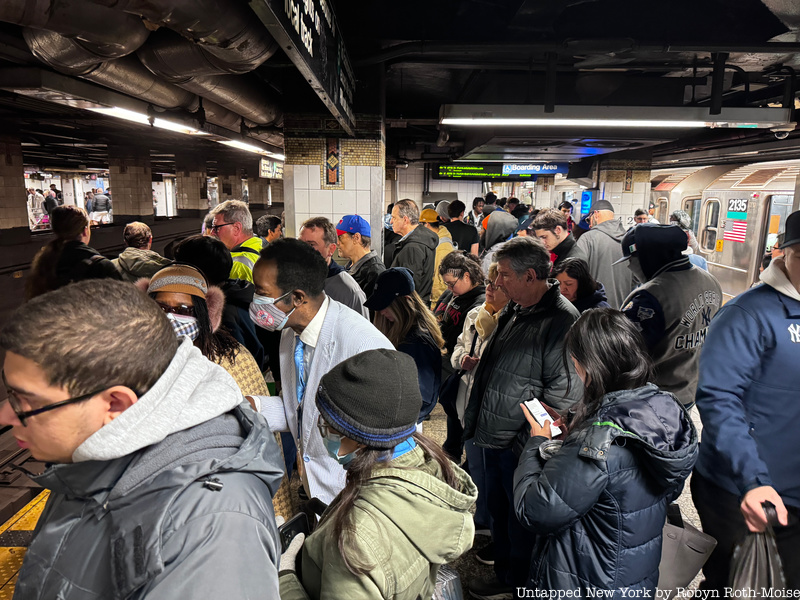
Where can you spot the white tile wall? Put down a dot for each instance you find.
(301, 177)
(362, 178)
(313, 177)
(320, 201)
(362, 202)
(301, 201)
(344, 202)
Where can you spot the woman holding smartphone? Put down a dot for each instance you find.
(599, 504)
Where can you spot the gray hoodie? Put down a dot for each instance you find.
(172, 499)
(601, 244)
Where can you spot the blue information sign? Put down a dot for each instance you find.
(534, 168)
(586, 201)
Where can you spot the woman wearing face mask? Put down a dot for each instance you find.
(195, 310)
(405, 509)
(401, 315)
(578, 286)
(598, 505)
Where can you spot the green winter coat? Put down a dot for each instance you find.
(408, 522)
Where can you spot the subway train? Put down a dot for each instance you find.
(737, 213)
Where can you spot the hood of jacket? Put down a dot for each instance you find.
(775, 277)
(138, 262)
(420, 235)
(238, 293)
(412, 486)
(612, 228)
(659, 248)
(593, 300)
(191, 391)
(500, 227)
(651, 421)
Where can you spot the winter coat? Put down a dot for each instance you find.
(417, 251)
(445, 246)
(499, 228)
(596, 299)
(451, 312)
(599, 505)
(340, 286)
(134, 263)
(522, 360)
(180, 481)
(101, 203)
(407, 522)
(79, 262)
(244, 258)
(420, 346)
(366, 270)
(601, 245)
(236, 318)
(568, 248)
(747, 392)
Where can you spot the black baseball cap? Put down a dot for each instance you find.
(792, 231)
(391, 284)
(601, 205)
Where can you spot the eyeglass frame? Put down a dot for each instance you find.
(450, 286)
(23, 415)
(325, 430)
(215, 228)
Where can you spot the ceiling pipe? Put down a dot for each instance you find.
(102, 31)
(238, 39)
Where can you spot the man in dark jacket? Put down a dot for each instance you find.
(416, 249)
(550, 226)
(355, 239)
(747, 397)
(160, 476)
(138, 260)
(673, 307)
(523, 360)
(601, 245)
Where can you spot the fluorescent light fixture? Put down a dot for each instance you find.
(135, 117)
(501, 115)
(252, 148)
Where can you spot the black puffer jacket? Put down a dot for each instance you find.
(599, 505)
(522, 360)
(79, 261)
(451, 312)
(418, 253)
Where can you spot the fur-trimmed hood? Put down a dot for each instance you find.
(215, 300)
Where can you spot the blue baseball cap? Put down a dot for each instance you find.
(353, 224)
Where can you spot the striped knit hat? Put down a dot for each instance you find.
(372, 398)
(183, 279)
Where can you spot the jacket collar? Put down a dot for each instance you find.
(547, 301)
(369, 257)
(565, 247)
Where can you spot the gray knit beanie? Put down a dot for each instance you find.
(372, 398)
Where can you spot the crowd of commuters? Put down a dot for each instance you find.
(167, 427)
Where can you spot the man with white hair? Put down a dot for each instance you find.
(233, 226)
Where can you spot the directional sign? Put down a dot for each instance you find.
(534, 168)
(309, 34)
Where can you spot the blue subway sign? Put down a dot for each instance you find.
(535, 168)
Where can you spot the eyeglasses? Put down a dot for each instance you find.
(183, 309)
(490, 284)
(16, 403)
(216, 228)
(326, 430)
(450, 285)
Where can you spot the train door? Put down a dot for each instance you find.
(692, 205)
(779, 207)
(662, 210)
(709, 227)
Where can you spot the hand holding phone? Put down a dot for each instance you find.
(541, 416)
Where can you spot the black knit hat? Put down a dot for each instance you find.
(372, 398)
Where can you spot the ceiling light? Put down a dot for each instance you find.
(252, 148)
(498, 115)
(135, 117)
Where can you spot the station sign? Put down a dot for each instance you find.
(308, 32)
(535, 168)
(270, 169)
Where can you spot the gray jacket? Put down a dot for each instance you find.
(135, 263)
(601, 245)
(189, 516)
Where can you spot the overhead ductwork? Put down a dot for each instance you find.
(104, 32)
(238, 42)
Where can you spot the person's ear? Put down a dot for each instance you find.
(118, 399)
(298, 297)
(530, 275)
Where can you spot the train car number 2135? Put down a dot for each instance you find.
(737, 205)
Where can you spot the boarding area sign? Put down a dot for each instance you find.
(535, 168)
(493, 171)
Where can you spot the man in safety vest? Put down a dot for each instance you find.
(233, 226)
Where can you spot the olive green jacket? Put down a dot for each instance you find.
(408, 522)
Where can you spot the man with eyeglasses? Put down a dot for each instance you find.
(160, 477)
(233, 226)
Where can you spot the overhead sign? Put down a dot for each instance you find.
(535, 168)
(309, 34)
(270, 169)
(481, 171)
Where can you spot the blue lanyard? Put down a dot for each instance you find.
(404, 448)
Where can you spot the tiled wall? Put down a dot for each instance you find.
(410, 184)
(13, 197)
(612, 188)
(130, 180)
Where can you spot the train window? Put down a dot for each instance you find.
(708, 237)
(692, 207)
(662, 210)
(780, 207)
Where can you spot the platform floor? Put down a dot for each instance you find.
(15, 535)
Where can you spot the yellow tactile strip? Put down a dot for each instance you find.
(11, 558)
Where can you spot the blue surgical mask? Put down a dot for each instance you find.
(332, 445)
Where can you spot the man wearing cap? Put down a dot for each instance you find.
(317, 334)
(673, 307)
(550, 226)
(601, 246)
(319, 233)
(747, 398)
(416, 249)
(355, 238)
(430, 219)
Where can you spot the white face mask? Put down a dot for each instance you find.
(265, 314)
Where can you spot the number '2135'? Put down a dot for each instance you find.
(737, 205)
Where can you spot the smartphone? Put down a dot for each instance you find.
(289, 530)
(539, 413)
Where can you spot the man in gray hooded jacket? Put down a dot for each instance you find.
(161, 479)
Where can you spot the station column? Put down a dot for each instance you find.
(14, 226)
(329, 174)
(191, 185)
(626, 184)
(229, 181)
(131, 184)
